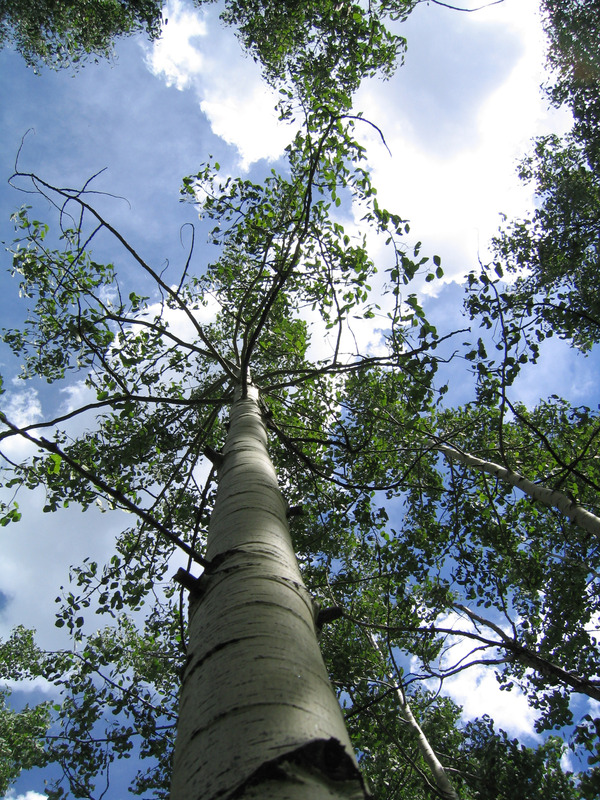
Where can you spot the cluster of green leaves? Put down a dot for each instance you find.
(542, 568)
(573, 32)
(57, 281)
(118, 701)
(66, 33)
(534, 569)
(22, 735)
(326, 48)
(503, 768)
(322, 48)
(554, 254)
(551, 256)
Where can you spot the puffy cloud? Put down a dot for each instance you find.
(457, 120)
(478, 692)
(196, 52)
(476, 688)
(27, 796)
(176, 56)
(21, 407)
(58, 540)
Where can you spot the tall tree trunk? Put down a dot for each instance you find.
(258, 717)
(442, 781)
(548, 497)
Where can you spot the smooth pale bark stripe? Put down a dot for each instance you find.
(231, 597)
(266, 620)
(255, 687)
(255, 683)
(249, 542)
(443, 783)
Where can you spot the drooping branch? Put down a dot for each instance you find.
(95, 480)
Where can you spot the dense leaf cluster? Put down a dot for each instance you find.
(66, 33)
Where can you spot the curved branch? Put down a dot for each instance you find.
(74, 195)
(459, 8)
(119, 497)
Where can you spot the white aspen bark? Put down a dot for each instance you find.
(258, 716)
(440, 777)
(442, 782)
(548, 497)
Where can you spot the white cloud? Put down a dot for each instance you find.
(175, 55)
(27, 796)
(37, 684)
(196, 52)
(454, 190)
(456, 137)
(476, 688)
(478, 692)
(76, 395)
(180, 324)
(57, 541)
(21, 407)
(364, 336)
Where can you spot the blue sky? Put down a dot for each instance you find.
(456, 118)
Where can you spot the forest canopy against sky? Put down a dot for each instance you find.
(418, 435)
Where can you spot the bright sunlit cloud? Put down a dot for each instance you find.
(176, 56)
(455, 139)
(454, 186)
(27, 796)
(476, 688)
(196, 52)
(478, 692)
(22, 407)
(37, 684)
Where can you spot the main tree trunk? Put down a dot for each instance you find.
(258, 717)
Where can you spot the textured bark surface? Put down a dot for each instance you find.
(257, 711)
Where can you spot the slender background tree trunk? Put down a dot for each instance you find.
(551, 498)
(442, 781)
(258, 716)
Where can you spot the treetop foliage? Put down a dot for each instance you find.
(318, 45)
(551, 257)
(66, 33)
